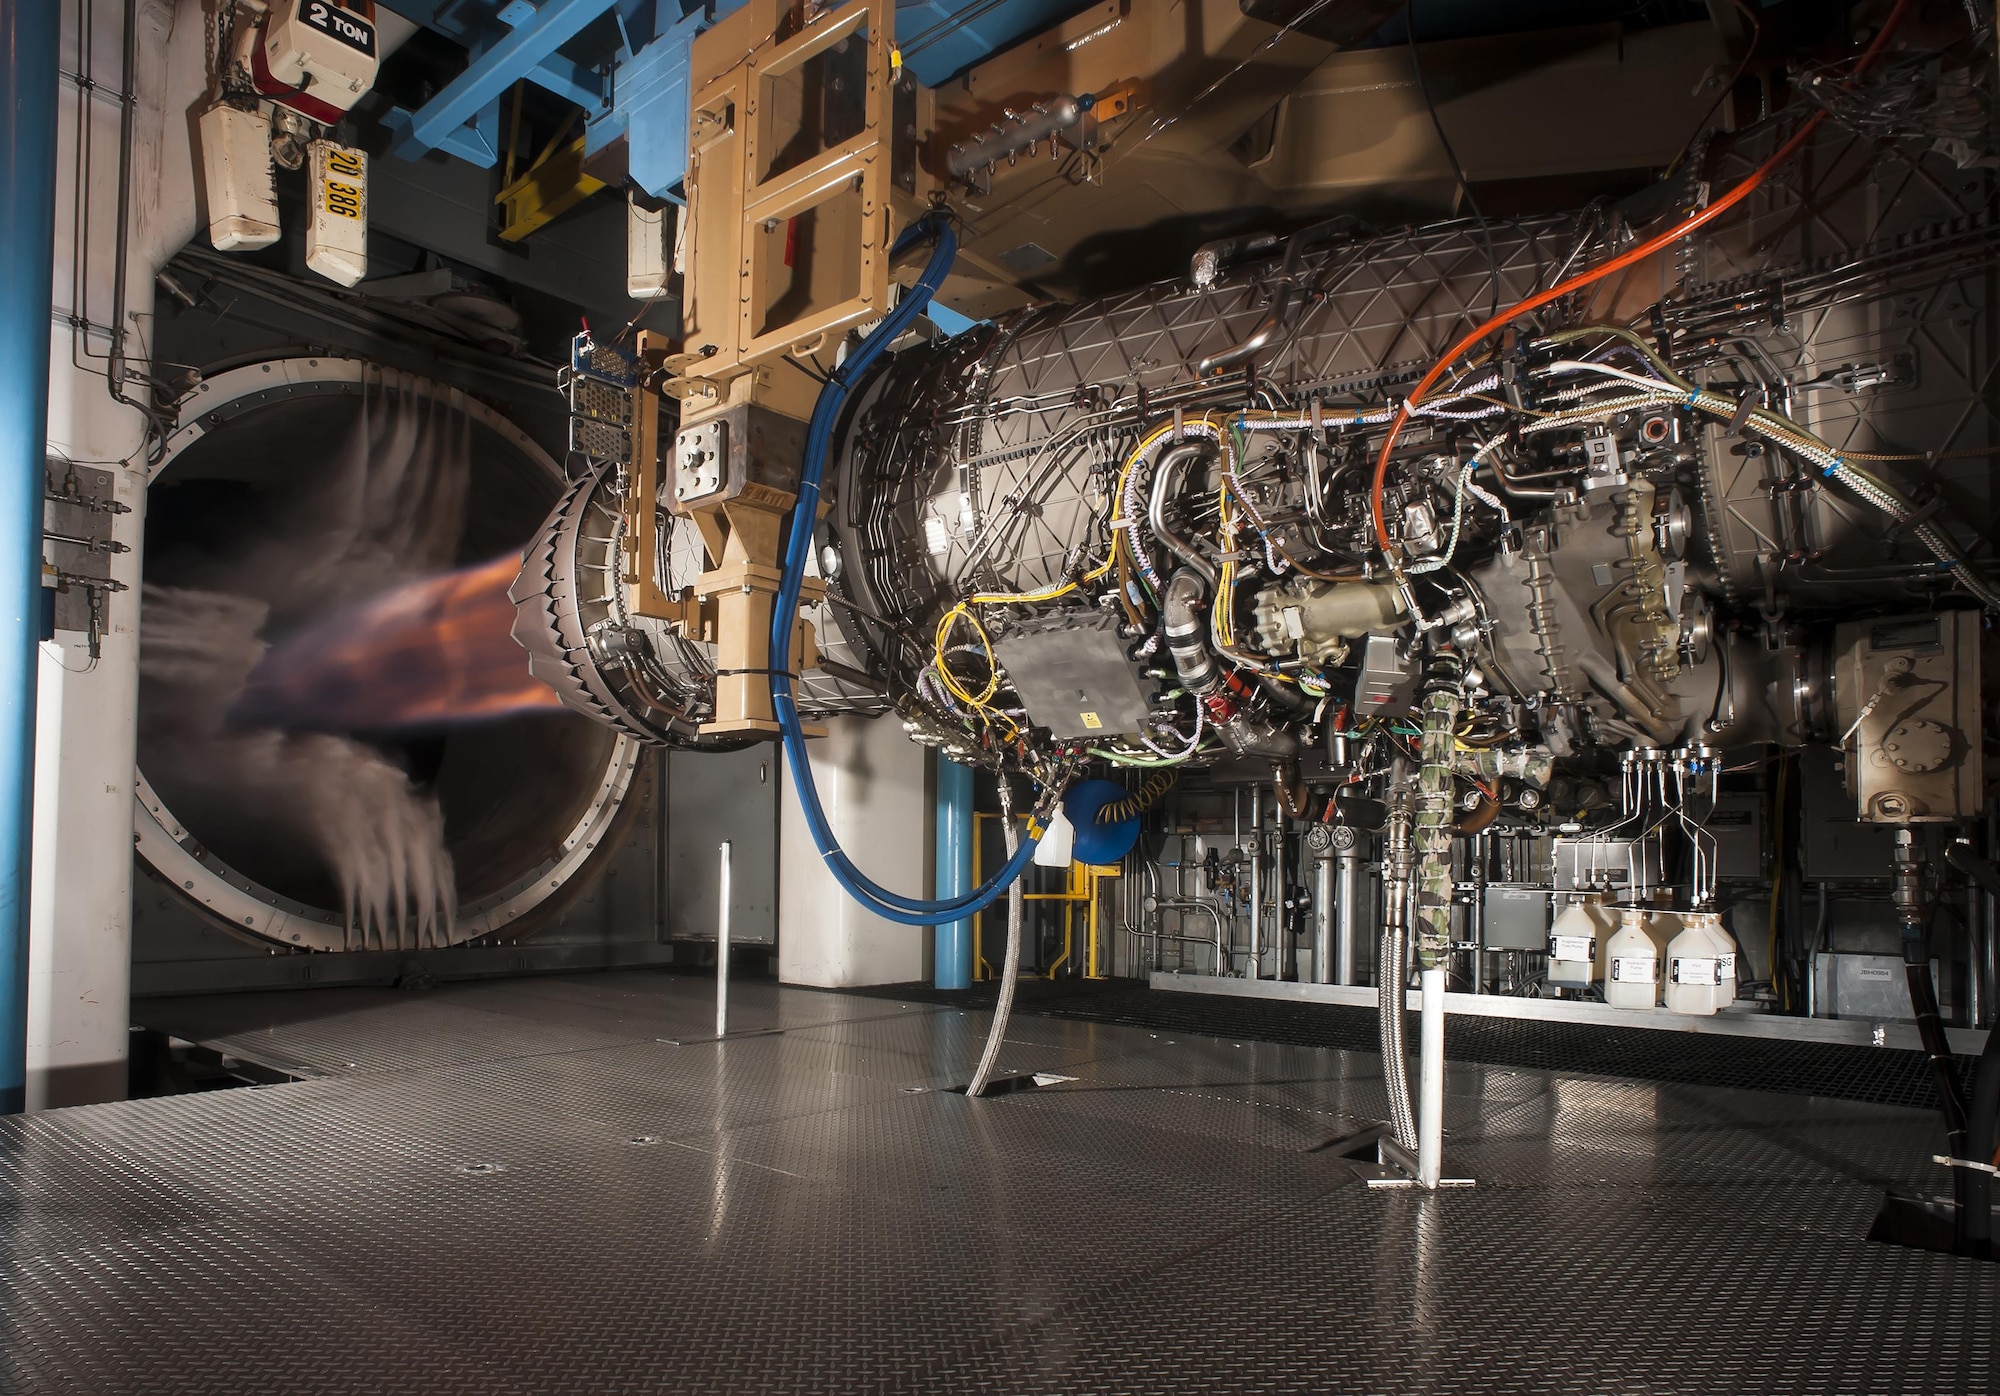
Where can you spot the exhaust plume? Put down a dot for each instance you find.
(223, 750)
(433, 651)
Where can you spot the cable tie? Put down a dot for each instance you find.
(1828, 470)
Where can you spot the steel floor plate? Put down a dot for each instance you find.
(519, 1187)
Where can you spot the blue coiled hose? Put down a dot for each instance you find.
(798, 546)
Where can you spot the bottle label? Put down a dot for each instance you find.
(1695, 972)
(1572, 947)
(1725, 966)
(1634, 969)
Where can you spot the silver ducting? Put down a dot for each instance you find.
(643, 675)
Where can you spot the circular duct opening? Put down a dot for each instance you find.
(290, 491)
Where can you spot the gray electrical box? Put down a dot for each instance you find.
(1835, 844)
(1074, 677)
(1863, 986)
(1737, 825)
(1517, 918)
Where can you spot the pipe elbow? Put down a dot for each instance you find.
(1259, 340)
(1166, 477)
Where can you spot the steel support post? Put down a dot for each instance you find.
(30, 33)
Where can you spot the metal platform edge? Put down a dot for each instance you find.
(1767, 1026)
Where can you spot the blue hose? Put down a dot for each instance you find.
(891, 906)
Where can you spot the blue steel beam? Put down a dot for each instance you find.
(942, 38)
(568, 79)
(30, 33)
(520, 54)
(651, 107)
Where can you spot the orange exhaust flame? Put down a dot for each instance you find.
(429, 653)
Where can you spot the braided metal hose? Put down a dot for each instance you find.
(1391, 966)
(1010, 967)
(1434, 811)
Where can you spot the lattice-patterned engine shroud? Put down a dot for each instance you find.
(1006, 436)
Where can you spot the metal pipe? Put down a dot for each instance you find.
(117, 365)
(1349, 908)
(1186, 633)
(1976, 932)
(1475, 914)
(1014, 133)
(1913, 912)
(1324, 936)
(1285, 300)
(1278, 917)
(30, 39)
(1258, 340)
(1982, 881)
(1992, 920)
(951, 942)
(1256, 882)
(662, 933)
(1186, 905)
(1211, 258)
(1165, 481)
(1430, 1080)
(722, 946)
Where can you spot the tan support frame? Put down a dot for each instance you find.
(742, 587)
(788, 236)
(789, 185)
(731, 602)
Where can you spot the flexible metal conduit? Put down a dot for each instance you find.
(1390, 965)
(1010, 968)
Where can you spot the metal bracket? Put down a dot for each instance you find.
(1398, 1169)
(1972, 1163)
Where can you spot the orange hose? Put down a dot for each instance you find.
(1597, 273)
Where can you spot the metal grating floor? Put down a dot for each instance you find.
(515, 1187)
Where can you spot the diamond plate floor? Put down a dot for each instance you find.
(518, 1187)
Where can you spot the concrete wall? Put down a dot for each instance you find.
(873, 782)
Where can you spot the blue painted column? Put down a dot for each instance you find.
(952, 942)
(30, 31)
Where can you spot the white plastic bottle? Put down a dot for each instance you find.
(1701, 966)
(1632, 962)
(1726, 961)
(1576, 944)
